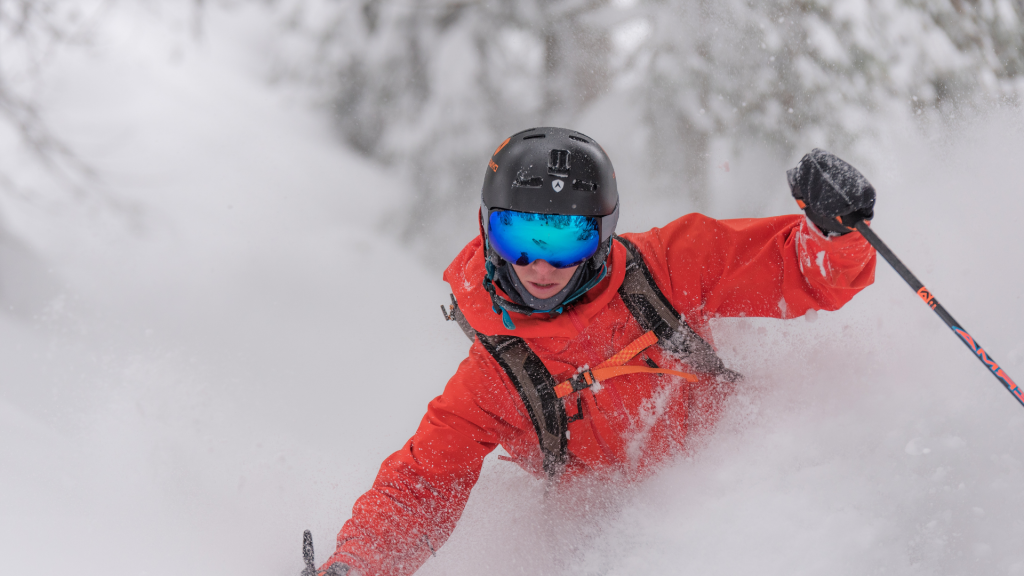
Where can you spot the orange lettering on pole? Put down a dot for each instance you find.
(927, 297)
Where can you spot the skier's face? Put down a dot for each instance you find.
(543, 280)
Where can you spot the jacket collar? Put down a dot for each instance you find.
(465, 275)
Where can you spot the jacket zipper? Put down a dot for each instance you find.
(576, 322)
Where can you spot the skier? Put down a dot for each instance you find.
(576, 330)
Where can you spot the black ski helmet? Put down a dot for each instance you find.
(548, 171)
(552, 171)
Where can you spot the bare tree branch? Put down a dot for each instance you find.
(31, 33)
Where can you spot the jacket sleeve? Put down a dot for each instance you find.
(778, 267)
(421, 490)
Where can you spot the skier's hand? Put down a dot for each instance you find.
(833, 194)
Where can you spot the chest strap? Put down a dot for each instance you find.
(613, 367)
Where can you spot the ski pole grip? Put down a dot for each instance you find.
(307, 551)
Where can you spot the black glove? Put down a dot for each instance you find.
(833, 194)
(336, 569)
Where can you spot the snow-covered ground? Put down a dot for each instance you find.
(195, 385)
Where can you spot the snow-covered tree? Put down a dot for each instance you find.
(791, 74)
(429, 86)
(432, 85)
(30, 32)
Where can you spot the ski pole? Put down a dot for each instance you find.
(307, 554)
(930, 300)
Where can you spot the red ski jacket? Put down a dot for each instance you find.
(777, 267)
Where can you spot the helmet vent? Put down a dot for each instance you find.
(579, 139)
(535, 182)
(558, 163)
(584, 185)
(532, 136)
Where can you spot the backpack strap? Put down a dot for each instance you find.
(536, 387)
(654, 312)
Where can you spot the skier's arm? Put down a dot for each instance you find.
(421, 490)
(778, 267)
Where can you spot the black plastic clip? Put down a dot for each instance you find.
(449, 314)
(583, 380)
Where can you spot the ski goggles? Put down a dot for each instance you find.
(561, 241)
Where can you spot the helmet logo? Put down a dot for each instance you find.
(557, 185)
(502, 145)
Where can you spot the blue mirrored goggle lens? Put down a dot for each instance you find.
(561, 241)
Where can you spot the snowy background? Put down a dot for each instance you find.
(216, 321)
